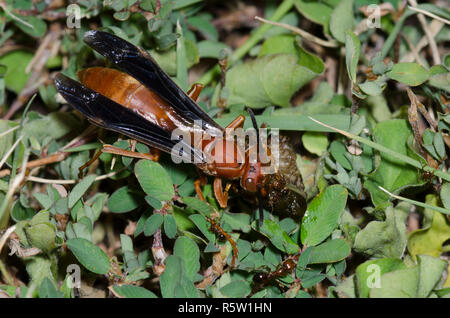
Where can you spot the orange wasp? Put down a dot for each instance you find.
(142, 102)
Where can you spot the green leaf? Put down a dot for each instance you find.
(400, 283)
(441, 81)
(48, 290)
(186, 249)
(20, 213)
(322, 215)
(182, 67)
(329, 252)
(130, 291)
(171, 277)
(431, 269)
(154, 180)
(55, 125)
(352, 51)
(198, 205)
(42, 236)
(16, 63)
(371, 88)
(315, 142)
(392, 174)
(315, 11)
(270, 79)
(210, 49)
(445, 195)
(279, 238)
(430, 239)
(78, 191)
(338, 151)
(170, 226)
(203, 226)
(236, 289)
(384, 238)
(204, 26)
(411, 74)
(152, 224)
(367, 273)
(36, 27)
(38, 268)
(89, 255)
(341, 19)
(123, 200)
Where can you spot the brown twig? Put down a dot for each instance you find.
(302, 33)
(431, 41)
(158, 251)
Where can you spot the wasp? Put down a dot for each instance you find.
(139, 100)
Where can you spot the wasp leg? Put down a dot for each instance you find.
(195, 91)
(119, 151)
(216, 227)
(201, 181)
(221, 195)
(238, 122)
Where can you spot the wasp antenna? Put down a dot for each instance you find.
(252, 116)
(261, 211)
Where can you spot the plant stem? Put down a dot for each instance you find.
(439, 173)
(391, 38)
(418, 203)
(256, 36)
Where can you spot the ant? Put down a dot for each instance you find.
(282, 270)
(222, 235)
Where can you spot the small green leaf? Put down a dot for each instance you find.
(170, 226)
(198, 205)
(367, 273)
(315, 11)
(89, 255)
(236, 289)
(279, 238)
(445, 195)
(411, 74)
(48, 290)
(315, 142)
(19, 213)
(186, 249)
(123, 200)
(384, 238)
(322, 215)
(130, 291)
(16, 62)
(341, 19)
(171, 277)
(371, 88)
(154, 180)
(35, 27)
(400, 283)
(210, 49)
(431, 269)
(78, 191)
(352, 51)
(152, 224)
(329, 252)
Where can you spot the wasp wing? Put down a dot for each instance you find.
(108, 114)
(139, 64)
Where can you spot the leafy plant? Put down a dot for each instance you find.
(364, 118)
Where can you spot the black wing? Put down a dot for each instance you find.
(108, 114)
(139, 64)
